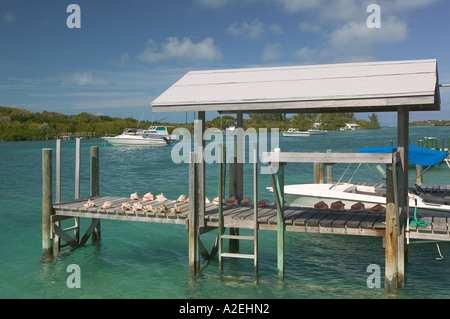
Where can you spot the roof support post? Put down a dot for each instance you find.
(239, 177)
(403, 148)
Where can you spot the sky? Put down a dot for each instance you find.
(114, 57)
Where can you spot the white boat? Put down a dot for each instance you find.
(153, 136)
(307, 195)
(293, 132)
(317, 130)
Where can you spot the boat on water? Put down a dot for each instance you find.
(153, 136)
(293, 132)
(317, 130)
(424, 199)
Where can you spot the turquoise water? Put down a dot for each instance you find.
(144, 260)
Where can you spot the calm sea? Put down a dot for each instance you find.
(144, 260)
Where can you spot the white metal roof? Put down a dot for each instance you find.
(349, 87)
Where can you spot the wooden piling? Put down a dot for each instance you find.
(194, 260)
(95, 187)
(329, 171)
(391, 236)
(57, 240)
(47, 202)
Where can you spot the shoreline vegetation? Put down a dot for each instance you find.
(22, 125)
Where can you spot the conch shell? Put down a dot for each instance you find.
(175, 209)
(231, 201)
(377, 209)
(148, 196)
(320, 205)
(162, 209)
(149, 208)
(134, 196)
(137, 206)
(358, 206)
(337, 206)
(182, 199)
(207, 200)
(161, 198)
(246, 201)
(89, 204)
(263, 203)
(216, 201)
(106, 205)
(126, 206)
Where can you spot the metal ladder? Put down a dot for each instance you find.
(221, 234)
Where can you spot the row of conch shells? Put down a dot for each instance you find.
(149, 197)
(232, 201)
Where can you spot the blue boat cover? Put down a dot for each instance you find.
(417, 155)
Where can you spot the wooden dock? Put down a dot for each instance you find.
(296, 219)
(200, 218)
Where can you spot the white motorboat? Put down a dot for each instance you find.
(293, 132)
(153, 136)
(307, 195)
(317, 130)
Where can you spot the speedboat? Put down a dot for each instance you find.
(424, 199)
(153, 136)
(317, 130)
(293, 132)
(370, 195)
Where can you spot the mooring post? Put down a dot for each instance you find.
(95, 187)
(329, 171)
(194, 259)
(280, 222)
(233, 244)
(57, 241)
(47, 202)
(391, 235)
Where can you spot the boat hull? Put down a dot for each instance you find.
(307, 195)
(135, 141)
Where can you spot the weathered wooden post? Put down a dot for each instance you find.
(95, 187)
(57, 241)
(47, 202)
(194, 260)
(222, 173)
(277, 180)
(391, 236)
(329, 171)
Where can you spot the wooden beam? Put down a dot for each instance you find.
(327, 158)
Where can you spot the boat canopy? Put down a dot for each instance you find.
(417, 155)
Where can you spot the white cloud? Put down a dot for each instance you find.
(8, 17)
(253, 30)
(298, 5)
(184, 49)
(356, 38)
(212, 3)
(85, 79)
(272, 52)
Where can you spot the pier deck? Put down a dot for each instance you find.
(296, 219)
